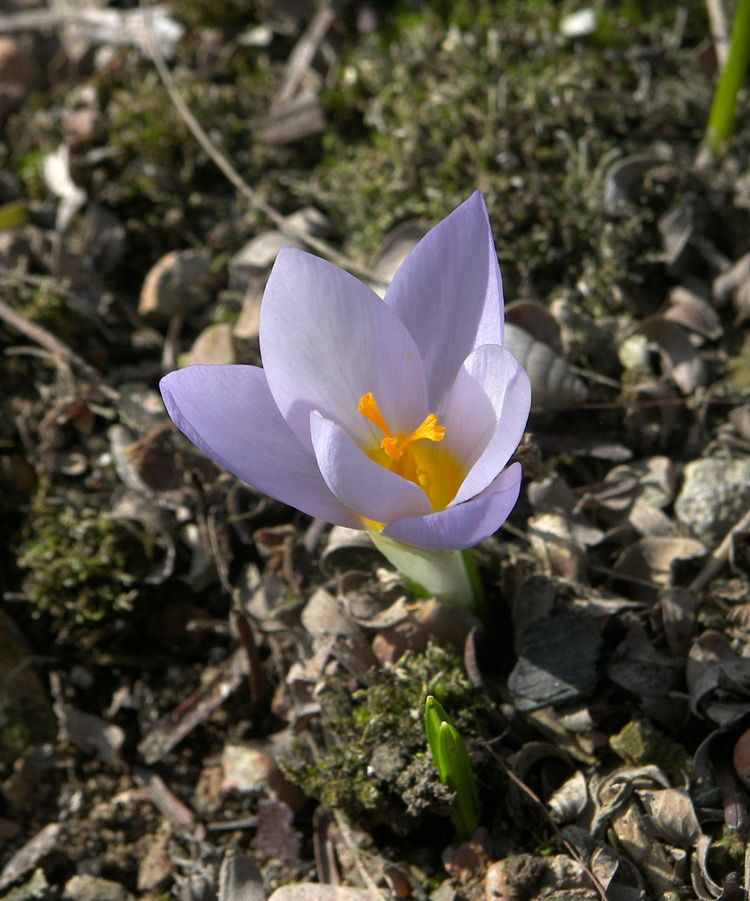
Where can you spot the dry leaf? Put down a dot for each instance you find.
(671, 813)
(680, 359)
(692, 311)
(571, 798)
(536, 319)
(559, 552)
(553, 384)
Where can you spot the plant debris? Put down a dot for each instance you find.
(205, 695)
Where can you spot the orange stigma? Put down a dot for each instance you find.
(437, 472)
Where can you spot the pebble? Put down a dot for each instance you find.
(94, 888)
(311, 891)
(715, 495)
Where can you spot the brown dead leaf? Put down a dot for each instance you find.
(180, 281)
(553, 540)
(718, 680)
(335, 633)
(553, 384)
(90, 733)
(214, 346)
(571, 798)
(671, 813)
(240, 878)
(395, 248)
(680, 359)
(693, 312)
(735, 284)
(536, 319)
(637, 666)
(655, 559)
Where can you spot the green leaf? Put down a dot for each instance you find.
(454, 767)
(721, 118)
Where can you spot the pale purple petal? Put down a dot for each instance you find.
(463, 525)
(359, 482)
(228, 412)
(448, 293)
(326, 340)
(505, 386)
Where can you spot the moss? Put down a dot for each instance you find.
(726, 855)
(375, 741)
(474, 97)
(81, 569)
(641, 743)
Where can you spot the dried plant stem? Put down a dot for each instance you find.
(225, 166)
(349, 840)
(543, 807)
(55, 346)
(717, 22)
(302, 56)
(720, 555)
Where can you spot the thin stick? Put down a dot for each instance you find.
(719, 557)
(537, 800)
(56, 347)
(304, 51)
(717, 22)
(221, 161)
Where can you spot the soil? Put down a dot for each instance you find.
(203, 693)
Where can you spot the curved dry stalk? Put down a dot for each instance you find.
(719, 557)
(226, 167)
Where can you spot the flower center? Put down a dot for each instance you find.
(416, 457)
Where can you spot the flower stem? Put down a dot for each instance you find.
(448, 576)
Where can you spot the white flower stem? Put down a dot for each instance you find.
(449, 576)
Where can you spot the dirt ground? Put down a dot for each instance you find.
(206, 695)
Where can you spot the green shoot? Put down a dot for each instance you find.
(721, 118)
(454, 767)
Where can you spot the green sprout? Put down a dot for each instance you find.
(454, 767)
(721, 118)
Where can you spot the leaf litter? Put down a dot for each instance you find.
(236, 691)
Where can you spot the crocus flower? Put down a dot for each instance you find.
(397, 415)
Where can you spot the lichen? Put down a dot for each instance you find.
(641, 743)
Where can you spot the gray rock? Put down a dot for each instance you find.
(715, 494)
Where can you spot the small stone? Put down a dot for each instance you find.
(715, 495)
(155, 868)
(94, 888)
(312, 891)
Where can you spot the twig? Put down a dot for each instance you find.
(221, 161)
(56, 347)
(302, 56)
(346, 834)
(717, 22)
(719, 557)
(537, 800)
